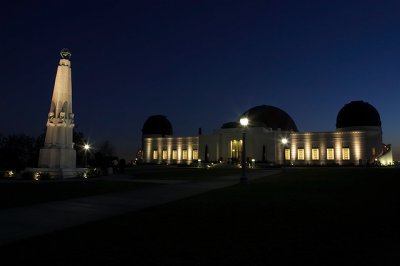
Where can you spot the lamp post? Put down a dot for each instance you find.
(284, 142)
(86, 147)
(244, 121)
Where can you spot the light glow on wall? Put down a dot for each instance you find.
(159, 148)
(338, 148)
(356, 145)
(293, 149)
(307, 146)
(169, 149)
(148, 151)
(190, 152)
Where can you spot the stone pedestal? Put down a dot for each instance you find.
(57, 158)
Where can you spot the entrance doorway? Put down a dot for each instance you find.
(236, 150)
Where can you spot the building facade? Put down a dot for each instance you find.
(357, 140)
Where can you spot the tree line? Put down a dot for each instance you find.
(20, 151)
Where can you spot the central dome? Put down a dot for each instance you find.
(270, 117)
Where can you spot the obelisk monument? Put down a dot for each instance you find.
(58, 152)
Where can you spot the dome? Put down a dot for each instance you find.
(358, 114)
(157, 125)
(270, 117)
(230, 125)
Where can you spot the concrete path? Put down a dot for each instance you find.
(23, 222)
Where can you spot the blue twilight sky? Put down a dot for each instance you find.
(200, 63)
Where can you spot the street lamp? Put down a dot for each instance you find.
(244, 121)
(86, 147)
(284, 142)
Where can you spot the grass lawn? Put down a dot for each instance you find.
(182, 173)
(22, 193)
(310, 216)
(14, 194)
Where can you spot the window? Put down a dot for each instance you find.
(315, 154)
(287, 154)
(373, 151)
(155, 155)
(300, 154)
(164, 154)
(195, 154)
(174, 155)
(346, 154)
(184, 155)
(330, 154)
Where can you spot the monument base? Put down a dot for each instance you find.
(57, 158)
(59, 173)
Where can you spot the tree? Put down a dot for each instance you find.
(18, 152)
(105, 154)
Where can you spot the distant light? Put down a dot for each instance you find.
(86, 147)
(36, 176)
(284, 141)
(253, 160)
(244, 121)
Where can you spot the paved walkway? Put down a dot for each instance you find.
(23, 222)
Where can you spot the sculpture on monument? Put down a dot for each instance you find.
(58, 151)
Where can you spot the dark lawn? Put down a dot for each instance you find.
(22, 193)
(182, 173)
(306, 216)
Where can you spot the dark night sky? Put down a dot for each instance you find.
(200, 63)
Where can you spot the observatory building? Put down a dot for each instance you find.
(357, 140)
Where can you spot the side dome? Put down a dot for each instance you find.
(358, 114)
(157, 125)
(270, 117)
(230, 125)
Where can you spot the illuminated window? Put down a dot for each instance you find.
(315, 154)
(184, 155)
(195, 154)
(300, 154)
(287, 154)
(155, 155)
(164, 154)
(330, 154)
(174, 155)
(346, 154)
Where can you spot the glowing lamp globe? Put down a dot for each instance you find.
(244, 121)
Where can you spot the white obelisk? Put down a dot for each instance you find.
(58, 151)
